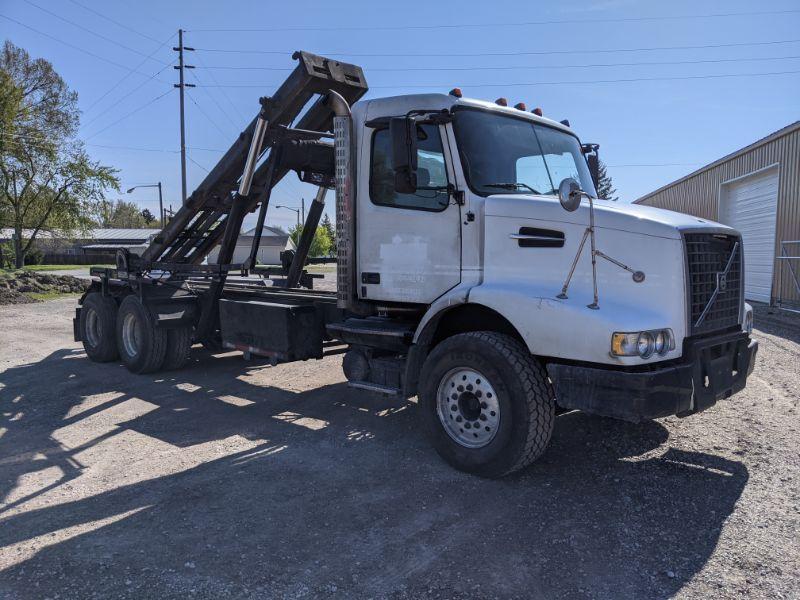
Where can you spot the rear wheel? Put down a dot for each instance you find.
(141, 345)
(97, 326)
(486, 403)
(179, 341)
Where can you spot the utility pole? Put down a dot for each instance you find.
(161, 205)
(181, 66)
(303, 208)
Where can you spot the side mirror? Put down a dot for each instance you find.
(594, 168)
(569, 194)
(593, 161)
(403, 132)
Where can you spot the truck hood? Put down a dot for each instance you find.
(633, 218)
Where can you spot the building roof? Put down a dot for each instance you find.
(267, 231)
(7, 233)
(112, 246)
(765, 140)
(120, 234)
(142, 235)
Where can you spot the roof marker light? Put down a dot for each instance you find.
(538, 112)
(520, 106)
(564, 122)
(455, 92)
(501, 102)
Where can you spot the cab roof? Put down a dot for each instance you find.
(399, 105)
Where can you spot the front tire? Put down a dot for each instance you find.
(142, 346)
(98, 321)
(486, 403)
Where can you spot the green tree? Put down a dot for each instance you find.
(47, 181)
(328, 226)
(148, 217)
(605, 187)
(320, 246)
(120, 214)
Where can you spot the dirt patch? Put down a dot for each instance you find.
(24, 287)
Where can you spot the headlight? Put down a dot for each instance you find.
(660, 342)
(643, 343)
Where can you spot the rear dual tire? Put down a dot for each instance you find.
(129, 333)
(97, 323)
(142, 346)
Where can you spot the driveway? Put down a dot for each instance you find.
(237, 479)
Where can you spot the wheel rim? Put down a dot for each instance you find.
(468, 408)
(93, 328)
(131, 334)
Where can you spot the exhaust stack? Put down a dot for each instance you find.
(345, 206)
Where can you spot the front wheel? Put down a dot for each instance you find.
(486, 403)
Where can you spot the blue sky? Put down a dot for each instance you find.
(652, 130)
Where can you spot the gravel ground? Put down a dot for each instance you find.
(234, 479)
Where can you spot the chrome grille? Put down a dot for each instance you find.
(708, 255)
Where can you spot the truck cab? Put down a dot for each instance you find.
(476, 271)
(658, 328)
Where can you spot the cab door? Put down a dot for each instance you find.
(409, 245)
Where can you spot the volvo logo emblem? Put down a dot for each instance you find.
(722, 281)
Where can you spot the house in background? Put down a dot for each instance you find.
(757, 191)
(273, 242)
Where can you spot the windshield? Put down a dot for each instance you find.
(506, 155)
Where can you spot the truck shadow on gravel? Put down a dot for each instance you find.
(215, 485)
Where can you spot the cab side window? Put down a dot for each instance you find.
(431, 191)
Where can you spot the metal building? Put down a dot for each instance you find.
(757, 191)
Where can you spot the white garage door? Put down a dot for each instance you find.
(750, 205)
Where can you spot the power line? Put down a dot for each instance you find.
(117, 23)
(92, 32)
(126, 76)
(213, 99)
(521, 84)
(133, 112)
(207, 116)
(205, 149)
(198, 164)
(657, 165)
(133, 91)
(224, 93)
(134, 148)
(529, 67)
(73, 46)
(526, 53)
(508, 24)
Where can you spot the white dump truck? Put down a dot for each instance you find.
(476, 270)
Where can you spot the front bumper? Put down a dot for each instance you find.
(712, 368)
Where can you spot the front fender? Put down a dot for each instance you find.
(568, 329)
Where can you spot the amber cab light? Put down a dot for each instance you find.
(538, 112)
(501, 102)
(456, 92)
(520, 106)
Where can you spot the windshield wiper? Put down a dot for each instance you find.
(511, 186)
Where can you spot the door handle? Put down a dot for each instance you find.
(538, 238)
